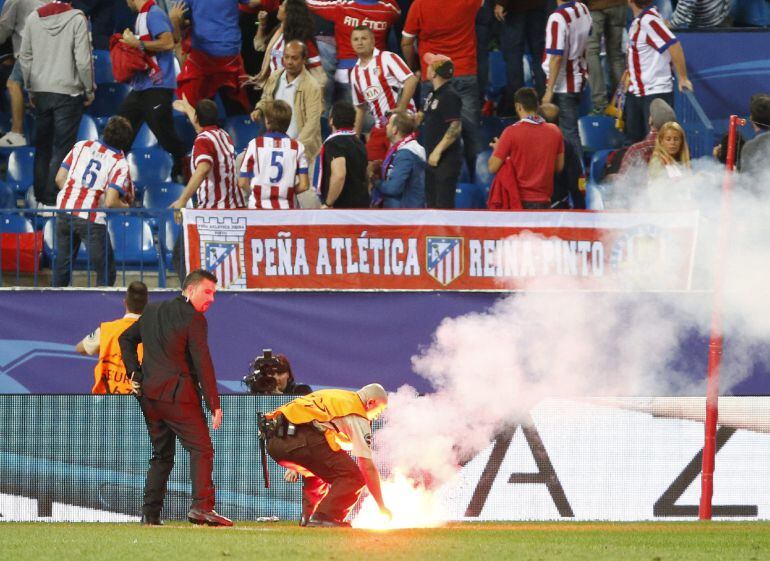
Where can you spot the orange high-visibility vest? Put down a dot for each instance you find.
(110, 373)
(323, 406)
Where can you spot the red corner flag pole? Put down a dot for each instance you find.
(715, 343)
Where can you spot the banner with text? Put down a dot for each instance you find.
(441, 250)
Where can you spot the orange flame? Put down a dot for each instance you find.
(412, 506)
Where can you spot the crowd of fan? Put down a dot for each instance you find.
(401, 83)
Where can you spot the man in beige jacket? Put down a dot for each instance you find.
(294, 85)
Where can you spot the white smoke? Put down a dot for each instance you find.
(488, 369)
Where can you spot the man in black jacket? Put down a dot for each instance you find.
(175, 371)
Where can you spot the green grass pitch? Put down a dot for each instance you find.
(674, 541)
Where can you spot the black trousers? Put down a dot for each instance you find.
(335, 482)
(441, 181)
(57, 119)
(165, 423)
(153, 106)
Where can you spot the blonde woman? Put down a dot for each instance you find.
(671, 155)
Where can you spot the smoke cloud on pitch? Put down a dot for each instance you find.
(488, 369)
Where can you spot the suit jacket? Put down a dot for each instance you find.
(177, 364)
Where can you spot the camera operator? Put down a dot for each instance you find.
(272, 375)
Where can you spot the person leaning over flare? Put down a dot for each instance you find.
(311, 436)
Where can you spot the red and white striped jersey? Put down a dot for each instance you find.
(219, 188)
(649, 62)
(93, 167)
(566, 34)
(272, 165)
(349, 14)
(379, 83)
(276, 54)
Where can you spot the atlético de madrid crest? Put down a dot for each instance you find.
(444, 258)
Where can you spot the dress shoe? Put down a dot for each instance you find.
(208, 517)
(151, 520)
(320, 521)
(303, 520)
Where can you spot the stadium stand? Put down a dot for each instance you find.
(20, 170)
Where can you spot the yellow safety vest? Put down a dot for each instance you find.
(110, 373)
(323, 406)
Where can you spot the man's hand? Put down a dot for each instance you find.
(178, 204)
(385, 511)
(434, 158)
(685, 84)
(256, 115)
(262, 17)
(88, 99)
(500, 12)
(216, 419)
(290, 476)
(547, 97)
(494, 142)
(176, 11)
(418, 118)
(130, 39)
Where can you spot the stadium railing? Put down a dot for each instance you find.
(697, 126)
(136, 237)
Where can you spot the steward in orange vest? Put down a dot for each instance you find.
(110, 373)
(311, 435)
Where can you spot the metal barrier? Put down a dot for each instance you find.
(126, 245)
(697, 126)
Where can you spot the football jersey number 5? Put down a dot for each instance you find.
(91, 173)
(277, 163)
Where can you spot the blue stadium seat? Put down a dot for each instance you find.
(21, 166)
(184, 128)
(483, 177)
(168, 234)
(131, 239)
(144, 138)
(490, 128)
(149, 165)
(159, 196)
(751, 12)
(87, 129)
(107, 101)
(598, 132)
(497, 74)
(598, 162)
(15, 224)
(242, 130)
(469, 195)
(7, 196)
(102, 67)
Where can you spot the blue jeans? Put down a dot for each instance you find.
(569, 111)
(522, 29)
(636, 113)
(467, 87)
(70, 231)
(57, 122)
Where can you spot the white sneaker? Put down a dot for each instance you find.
(12, 139)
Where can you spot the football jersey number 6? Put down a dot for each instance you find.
(91, 173)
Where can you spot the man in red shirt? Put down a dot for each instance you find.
(536, 151)
(449, 29)
(378, 15)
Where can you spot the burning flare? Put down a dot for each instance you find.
(412, 505)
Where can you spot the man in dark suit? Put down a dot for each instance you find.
(175, 371)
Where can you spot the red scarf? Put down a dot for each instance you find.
(53, 8)
(146, 6)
